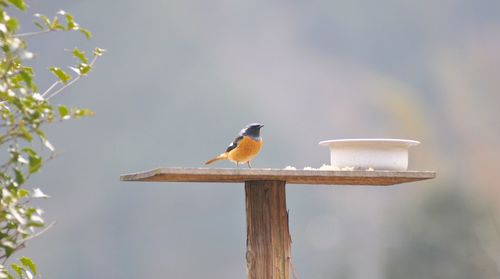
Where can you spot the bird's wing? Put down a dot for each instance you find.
(234, 144)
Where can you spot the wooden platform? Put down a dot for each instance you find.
(380, 178)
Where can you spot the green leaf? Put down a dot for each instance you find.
(71, 24)
(45, 20)
(44, 139)
(19, 176)
(85, 32)
(34, 163)
(34, 160)
(17, 269)
(29, 70)
(99, 51)
(39, 25)
(19, 4)
(56, 25)
(63, 112)
(29, 151)
(27, 262)
(24, 132)
(21, 193)
(12, 24)
(27, 78)
(63, 76)
(84, 68)
(77, 113)
(80, 55)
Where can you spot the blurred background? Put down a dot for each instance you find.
(181, 78)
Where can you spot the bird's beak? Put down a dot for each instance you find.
(261, 126)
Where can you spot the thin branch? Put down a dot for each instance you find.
(23, 244)
(64, 87)
(27, 34)
(50, 88)
(48, 227)
(72, 81)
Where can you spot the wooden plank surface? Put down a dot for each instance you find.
(358, 177)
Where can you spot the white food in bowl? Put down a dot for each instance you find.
(379, 154)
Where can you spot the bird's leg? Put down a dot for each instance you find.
(237, 165)
(248, 163)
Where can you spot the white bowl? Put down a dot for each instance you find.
(378, 154)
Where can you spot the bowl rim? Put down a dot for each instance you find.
(399, 142)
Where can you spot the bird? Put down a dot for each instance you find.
(244, 147)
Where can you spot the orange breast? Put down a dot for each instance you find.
(246, 150)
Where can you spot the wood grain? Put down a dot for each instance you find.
(268, 238)
(377, 177)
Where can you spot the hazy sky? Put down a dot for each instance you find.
(181, 78)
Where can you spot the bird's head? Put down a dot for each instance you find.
(252, 130)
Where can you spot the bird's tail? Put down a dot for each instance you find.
(222, 156)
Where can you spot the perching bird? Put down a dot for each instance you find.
(244, 148)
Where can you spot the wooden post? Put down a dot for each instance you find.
(268, 238)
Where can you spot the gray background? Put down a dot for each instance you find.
(181, 78)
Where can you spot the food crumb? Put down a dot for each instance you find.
(347, 168)
(329, 167)
(326, 167)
